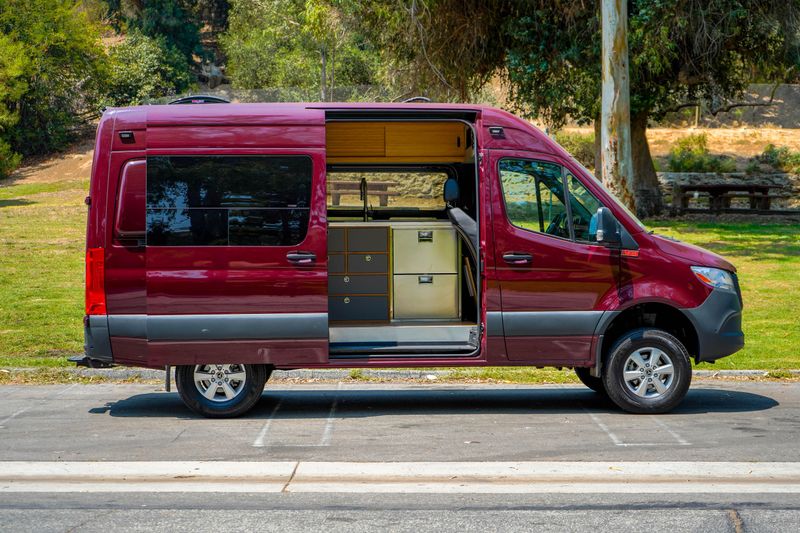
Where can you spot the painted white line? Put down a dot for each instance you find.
(262, 435)
(39, 402)
(456, 477)
(602, 426)
(675, 434)
(327, 433)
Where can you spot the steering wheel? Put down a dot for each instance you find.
(555, 225)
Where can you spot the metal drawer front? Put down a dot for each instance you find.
(425, 251)
(367, 239)
(358, 284)
(357, 308)
(367, 263)
(336, 239)
(336, 264)
(426, 296)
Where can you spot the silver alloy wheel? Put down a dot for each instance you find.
(220, 383)
(648, 372)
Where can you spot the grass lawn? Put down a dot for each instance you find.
(42, 224)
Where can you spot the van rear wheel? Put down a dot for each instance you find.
(648, 371)
(221, 391)
(594, 383)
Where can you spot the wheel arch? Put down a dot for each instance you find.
(653, 314)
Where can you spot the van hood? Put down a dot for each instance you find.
(694, 254)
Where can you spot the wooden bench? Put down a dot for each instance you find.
(337, 188)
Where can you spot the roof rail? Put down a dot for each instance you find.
(200, 99)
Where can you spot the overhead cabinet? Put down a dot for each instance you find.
(396, 142)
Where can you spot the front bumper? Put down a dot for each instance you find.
(718, 323)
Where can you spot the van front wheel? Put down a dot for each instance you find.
(221, 391)
(647, 371)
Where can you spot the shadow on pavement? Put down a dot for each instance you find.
(299, 404)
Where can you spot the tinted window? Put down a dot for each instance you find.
(395, 190)
(227, 200)
(534, 196)
(584, 210)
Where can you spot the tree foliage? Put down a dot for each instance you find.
(304, 44)
(144, 68)
(52, 68)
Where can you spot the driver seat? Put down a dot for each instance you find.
(465, 224)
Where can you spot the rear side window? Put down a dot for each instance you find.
(228, 200)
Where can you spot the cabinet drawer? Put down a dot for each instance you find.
(368, 239)
(363, 284)
(426, 296)
(425, 251)
(335, 239)
(342, 308)
(336, 264)
(367, 263)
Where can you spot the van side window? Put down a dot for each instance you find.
(584, 208)
(228, 200)
(534, 196)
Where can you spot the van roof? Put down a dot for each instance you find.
(295, 113)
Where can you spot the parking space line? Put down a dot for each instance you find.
(259, 442)
(675, 434)
(41, 401)
(604, 427)
(327, 433)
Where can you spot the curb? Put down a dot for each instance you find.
(401, 477)
(121, 373)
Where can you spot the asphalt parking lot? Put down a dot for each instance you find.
(424, 423)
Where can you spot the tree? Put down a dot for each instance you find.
(52, 67)
(681, 52)
(296, 44)
(145, 68)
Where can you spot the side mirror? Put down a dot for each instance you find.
(609, 231)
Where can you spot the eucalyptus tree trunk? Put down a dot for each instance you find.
(615, 133)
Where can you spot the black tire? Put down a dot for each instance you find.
(244, 400)
(642, 395)
(594, 383)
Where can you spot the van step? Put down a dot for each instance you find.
(345, 350)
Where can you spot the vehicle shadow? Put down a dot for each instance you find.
(363, 403)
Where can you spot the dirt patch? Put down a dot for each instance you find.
(74, 164)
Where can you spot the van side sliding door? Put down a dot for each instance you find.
(236, 260)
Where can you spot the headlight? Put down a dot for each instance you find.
(715, 278)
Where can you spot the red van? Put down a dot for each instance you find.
(230, 240)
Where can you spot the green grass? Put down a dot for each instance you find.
(42, 235)
(767, 257)
(42, 229)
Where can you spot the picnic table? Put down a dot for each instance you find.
(336, 188)
(721, 194)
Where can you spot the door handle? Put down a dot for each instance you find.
(301, 258)
(516, 258)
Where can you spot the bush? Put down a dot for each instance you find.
(579, 145)
(690, 154)
(9, 160)
(144, 68)
(780, 158)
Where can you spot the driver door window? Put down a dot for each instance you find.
(534, 196)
